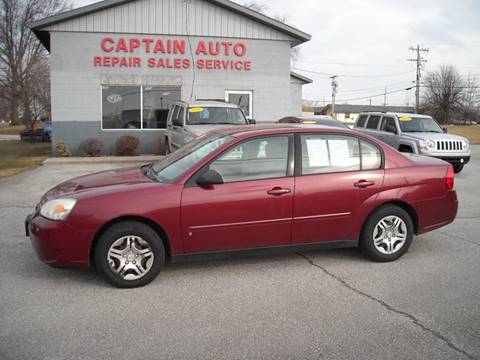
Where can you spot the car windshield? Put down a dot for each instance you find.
(419, 124)
(215, 116)
(182, 160)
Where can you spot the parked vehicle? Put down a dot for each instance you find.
(244, 190)
(188, 120)
(413, 133)
(47, 130)
(313, 120)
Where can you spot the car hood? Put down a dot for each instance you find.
(96, 181)
(198, 130)
(432, 136)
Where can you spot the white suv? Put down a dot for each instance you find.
(414, 133)
(188, 120)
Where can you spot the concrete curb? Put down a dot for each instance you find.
(102, 159)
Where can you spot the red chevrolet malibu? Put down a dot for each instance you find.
(244, 190)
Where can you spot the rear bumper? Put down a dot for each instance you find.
(57, 243)
(436, 213)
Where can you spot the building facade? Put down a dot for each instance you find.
(117, 65)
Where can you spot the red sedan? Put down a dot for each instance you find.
(244, 190)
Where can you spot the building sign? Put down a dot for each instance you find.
(173, 54)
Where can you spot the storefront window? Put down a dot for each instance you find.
(136, 107)
(121, 107)
(156, 102)
(242, 98)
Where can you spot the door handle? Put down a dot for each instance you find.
(278, 191)
(364, 183)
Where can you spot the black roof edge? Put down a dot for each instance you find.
(38, 25)
(305, 79)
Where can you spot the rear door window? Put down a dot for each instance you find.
(323, 154)
(361, 121)
(371, 156)
(373, 121)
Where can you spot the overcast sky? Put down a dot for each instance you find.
(367, 42)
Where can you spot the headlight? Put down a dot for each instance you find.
(422, 146)
(430, 144)
(465, 144)
(57, 209)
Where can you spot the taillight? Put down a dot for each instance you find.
(450, 179)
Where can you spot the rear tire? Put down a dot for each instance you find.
(387, 234)
(457, 168)
(129, 254)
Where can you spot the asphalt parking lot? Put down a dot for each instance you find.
(317, 305)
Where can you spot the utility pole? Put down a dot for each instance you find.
(385, 98)
(419, 60)
(334, 92)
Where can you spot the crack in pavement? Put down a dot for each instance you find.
(18, 207)
(390, 308)
(467, 218)
(459, 238)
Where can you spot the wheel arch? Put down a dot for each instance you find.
(401, 204)
(155, 226)
(402, 146)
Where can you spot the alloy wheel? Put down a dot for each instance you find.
(390, 234)
(130, 257)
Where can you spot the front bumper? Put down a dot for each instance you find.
(455, 160)
(57, 243)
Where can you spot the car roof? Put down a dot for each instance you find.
(271, 129)
(315, 117)
(399, 114)
(207, 103)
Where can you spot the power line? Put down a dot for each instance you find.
(375, 88)
(352, 76)
(377, 95)
(346, 64)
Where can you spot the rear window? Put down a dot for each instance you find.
(361, 121)
(373, 122)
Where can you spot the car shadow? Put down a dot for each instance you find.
(347, 254)
(35, 270)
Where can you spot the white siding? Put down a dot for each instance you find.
(169, 17)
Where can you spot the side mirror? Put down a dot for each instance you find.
(252, 121)
(208, 178)
(445, 130)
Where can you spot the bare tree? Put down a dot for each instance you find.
(23, 61)
(444, 93)
(471, 99)
(255, 6)
(263, 9)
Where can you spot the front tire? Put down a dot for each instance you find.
(129, 254)
(387, 234)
